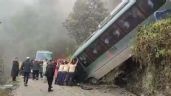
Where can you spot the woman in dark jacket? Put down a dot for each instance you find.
(15, 69)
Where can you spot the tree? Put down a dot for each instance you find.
(84, 19)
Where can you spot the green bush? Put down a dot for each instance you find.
(153, 42)
(152, 49)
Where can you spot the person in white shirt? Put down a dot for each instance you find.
(45, 62)
(44, 65)
(60, 73)
(65, 73)
(72, 66)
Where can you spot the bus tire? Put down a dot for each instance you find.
(93, 81)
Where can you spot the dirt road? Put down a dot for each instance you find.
(39, 88)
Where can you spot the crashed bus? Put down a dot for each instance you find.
(109, 46)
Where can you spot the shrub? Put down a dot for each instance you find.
(152, 49)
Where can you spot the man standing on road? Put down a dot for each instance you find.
(50, 69)
(36, 68)
(15, 69)
(41, 69)
(45, 62)
(26, 67)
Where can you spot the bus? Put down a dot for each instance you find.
(43, 55)
(109, 46)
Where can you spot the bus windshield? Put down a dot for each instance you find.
(43, 55)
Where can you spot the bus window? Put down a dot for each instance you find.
(84, 59)
(130, 19)
(89, 54)
(100, 47)
(149, 6)
(95, 50)
(112, 34)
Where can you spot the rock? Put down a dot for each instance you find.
(86, 87)
(7, 86)
(160, 95)
(167, 87)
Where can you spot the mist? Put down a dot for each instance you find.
(31, 25)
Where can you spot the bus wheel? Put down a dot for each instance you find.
(93, 81)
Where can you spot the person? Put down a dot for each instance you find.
(36, 68)
(72, 66)
(45, 62)
(50, 74)
(26, 67)
(60, 73)
(15, 69)
(41, 69)
(65, 73)
(56, 69)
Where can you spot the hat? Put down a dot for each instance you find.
(28, 57)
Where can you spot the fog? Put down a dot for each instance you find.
(31, 25)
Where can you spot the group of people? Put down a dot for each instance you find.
(65, 72)
(62, 70)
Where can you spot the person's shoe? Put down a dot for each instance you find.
(25, 84)
(50, 90)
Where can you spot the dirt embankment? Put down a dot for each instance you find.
(4, 93)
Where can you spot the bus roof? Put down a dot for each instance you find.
(44, 51)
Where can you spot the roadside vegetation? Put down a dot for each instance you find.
(152, 50)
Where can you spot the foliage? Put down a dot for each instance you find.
(153, 42)
(84, 19)
(153, 50)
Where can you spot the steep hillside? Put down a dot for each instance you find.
(153, 50)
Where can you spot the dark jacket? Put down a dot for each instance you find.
(41, 68)
(50, 69)
(15, 69)
(26, 66)
(36, 65)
